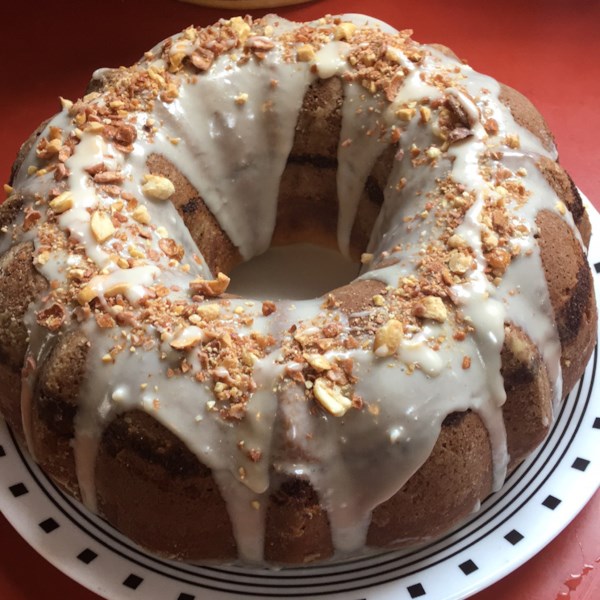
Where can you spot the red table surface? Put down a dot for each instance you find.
(549, 50)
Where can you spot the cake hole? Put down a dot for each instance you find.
(297, 272)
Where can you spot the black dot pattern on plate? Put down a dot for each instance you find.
(87, 556)
(580, 464)
(3, 453)
(133, 581)
(416, 590)
(49, 525)
(514, 537)
(596, 425)
(468, 567)
(19, 489)
(597, 267)
(551, 502)
(184, 596)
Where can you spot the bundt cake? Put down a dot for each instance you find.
(210, 427)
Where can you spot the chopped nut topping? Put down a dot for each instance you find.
(176, 60)
(378, 300)
(104, 320)
(212, 287)
(513, 141)
(141, 215)
(431, 307)
(331, 398)
(366, 258)
(388, 338)
(241, 99)
(95, 127)
(102, 226)
(48, 148)
(491, 126)
(259, 43)
(459, 262)
(456, 241)
(61, 203)
(317, 361)
(31, 218)
(188, 338)
(305, 53)
(171, 248)
(65, 103)
(109, 177)
(405, 114)
(268, 308)
(433, 152)
(498, 259)
(393, 55)
(241, 28)
(52, 317)
(344, 31)
(118, 288)
(425, 114)
(86, 294)
(135, 252)
(157, 187)
(209, 311)
(490, 241)
(202, 59)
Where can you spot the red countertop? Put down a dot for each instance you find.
(549, 50)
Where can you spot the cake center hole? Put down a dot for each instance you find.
(297, 272)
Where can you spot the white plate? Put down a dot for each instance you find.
(538, 500)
